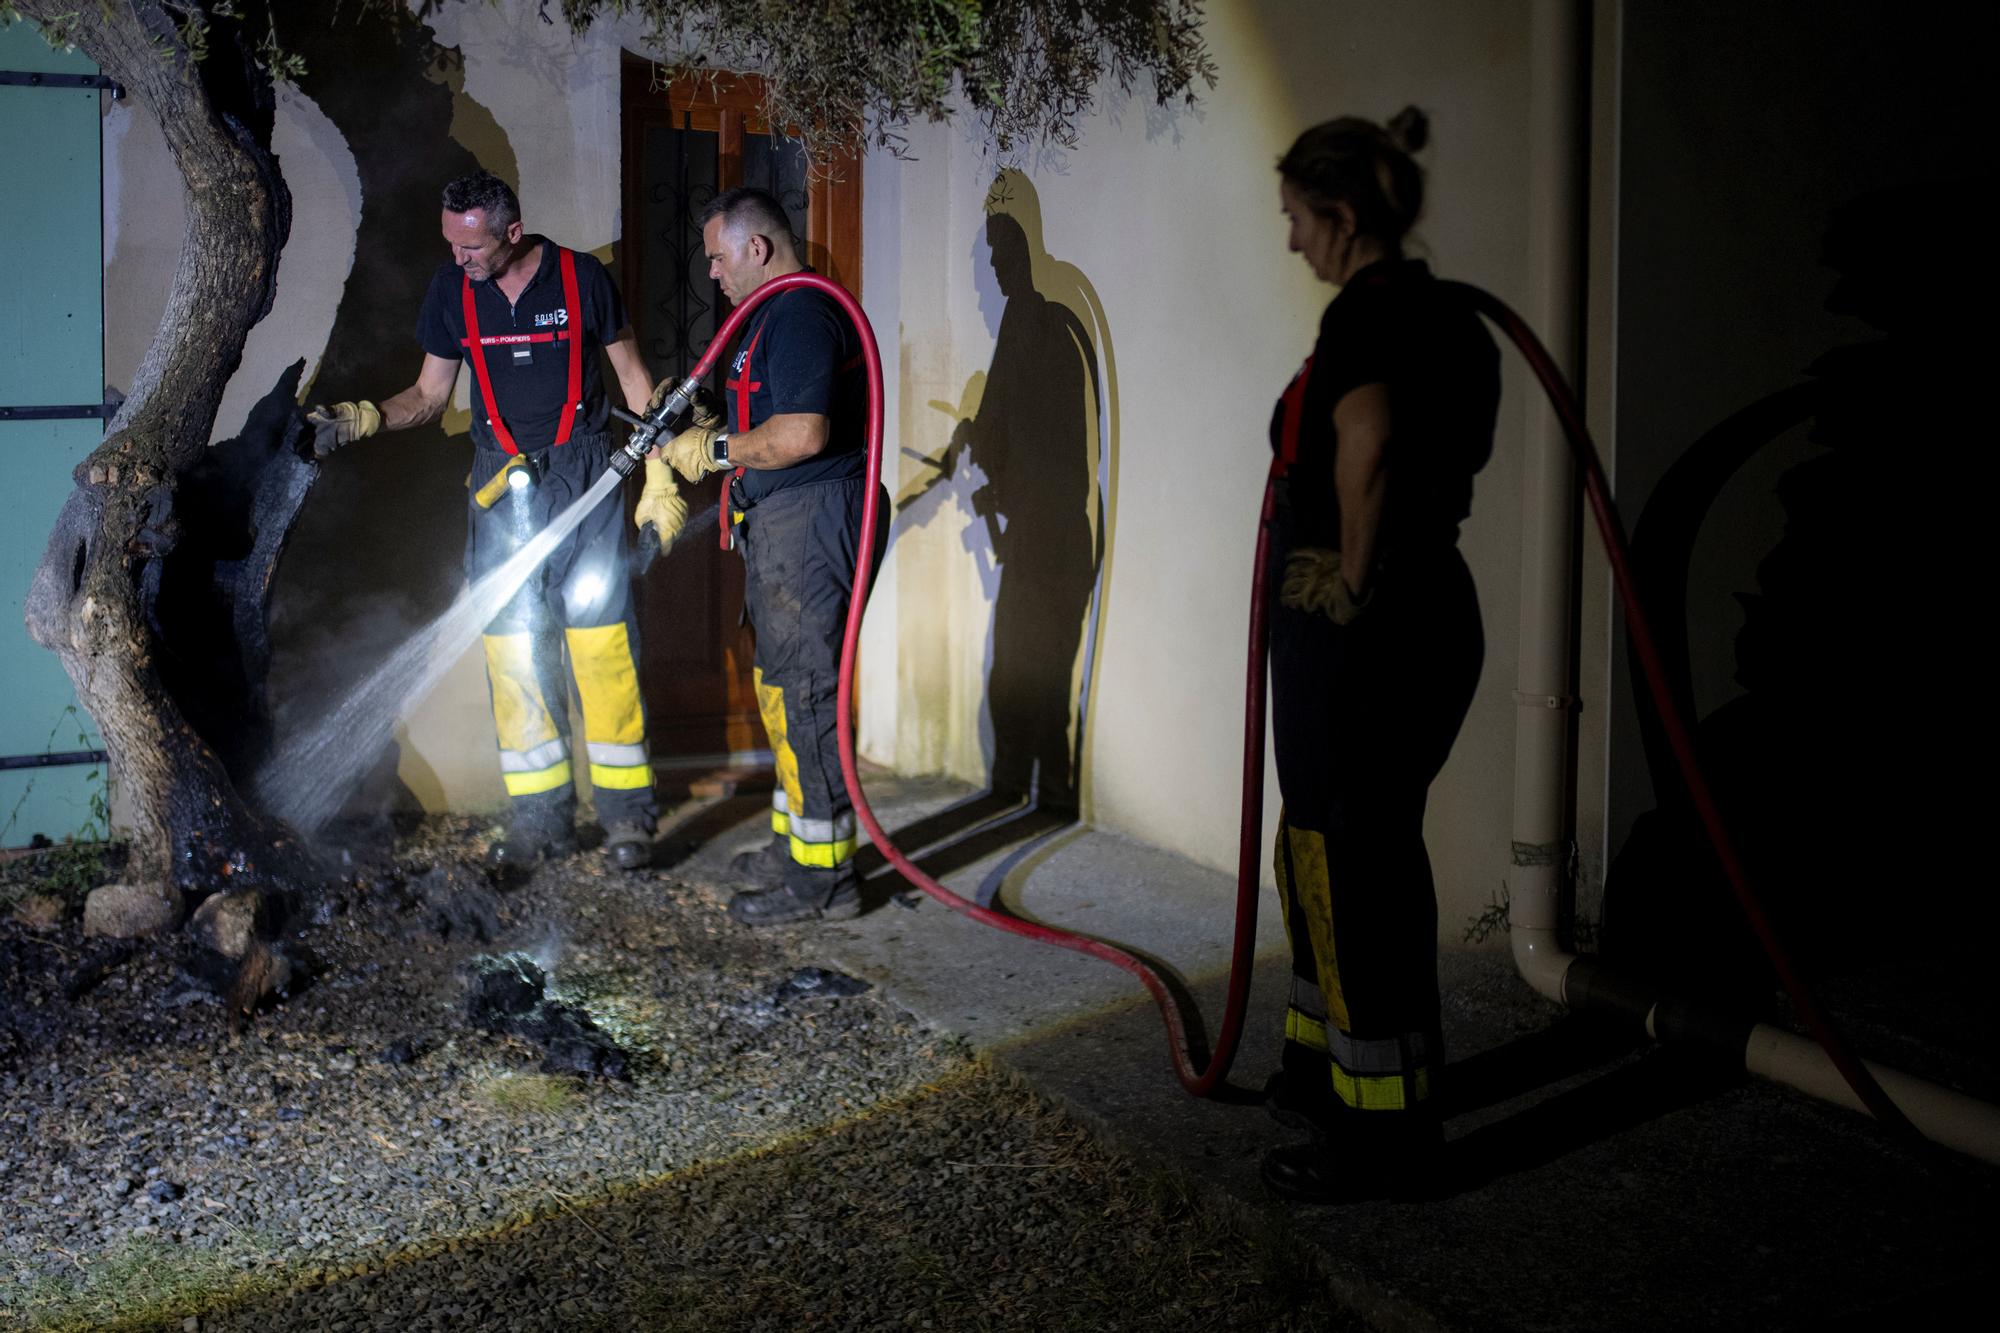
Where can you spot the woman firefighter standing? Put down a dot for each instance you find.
(1375, 650)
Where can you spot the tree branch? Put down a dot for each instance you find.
(1030, 70)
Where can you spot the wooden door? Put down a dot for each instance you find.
(684, 144)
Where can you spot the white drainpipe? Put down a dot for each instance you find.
(1558, 63)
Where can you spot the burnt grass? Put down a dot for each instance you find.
(584, 1100)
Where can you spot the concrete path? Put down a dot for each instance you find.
(1595, 1187)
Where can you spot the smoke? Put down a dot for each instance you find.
(339, 690)
(318, 766)
(317, 661)
(548, 950)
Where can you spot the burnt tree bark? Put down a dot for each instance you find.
(92, 598)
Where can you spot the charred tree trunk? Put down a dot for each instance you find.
(89, 602)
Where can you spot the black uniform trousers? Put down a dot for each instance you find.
(576, 604)
(1364, 716)
(799, 546)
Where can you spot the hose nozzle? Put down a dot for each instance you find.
(665, 419)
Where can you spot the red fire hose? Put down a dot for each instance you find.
(1611, 527)
(1201, 1082)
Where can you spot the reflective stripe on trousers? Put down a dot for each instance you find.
(1380, 1073)
(818, 842)
(1385, 1074)
(614, 723)
(534, 755)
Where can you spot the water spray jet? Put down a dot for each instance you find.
(306, 781)
(311, 775)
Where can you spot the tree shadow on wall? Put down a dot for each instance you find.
(1037, 430)
(1844, 768)
(377, 552)
(1850, 821)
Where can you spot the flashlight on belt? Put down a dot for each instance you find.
(517, 475)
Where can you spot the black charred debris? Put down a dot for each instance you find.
(508, 994)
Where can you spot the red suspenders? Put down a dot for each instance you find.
(1294, 399)
(743, 386)
(573, 332)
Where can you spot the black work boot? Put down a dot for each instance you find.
(764, 867)
(1290, 1103)
(628, 844)
(539, 827)
(1363, 1156)
(805, 895)
(1308, 1173)
(524, 844)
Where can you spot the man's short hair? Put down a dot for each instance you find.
(483, 191)
(758, 211)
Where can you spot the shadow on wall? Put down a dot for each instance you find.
(1845, 770)
(1039, 427)
(378, 550)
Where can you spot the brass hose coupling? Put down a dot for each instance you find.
(666, 419)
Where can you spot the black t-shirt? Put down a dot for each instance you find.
(800, 353)
(1392, 325)
(530, 379)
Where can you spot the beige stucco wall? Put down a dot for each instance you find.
(1174, 222)
(1169, 219)
(528, 101)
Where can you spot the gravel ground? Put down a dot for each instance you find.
(363, 1156)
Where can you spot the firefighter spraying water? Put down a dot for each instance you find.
(528, 317)
(760, 277)
(308, 779)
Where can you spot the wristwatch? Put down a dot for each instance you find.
(718, 449)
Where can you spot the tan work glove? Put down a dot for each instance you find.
(343, 423)
(660, 504)
(692, 452)
(706, 413)
(1313, 583)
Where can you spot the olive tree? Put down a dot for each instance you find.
(844, 75)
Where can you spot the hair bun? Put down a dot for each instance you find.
(1409, 129)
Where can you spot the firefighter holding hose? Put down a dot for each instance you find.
(1375, 649)
(796, 397)
(529, 318)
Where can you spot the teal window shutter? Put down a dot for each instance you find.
(51, 371)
